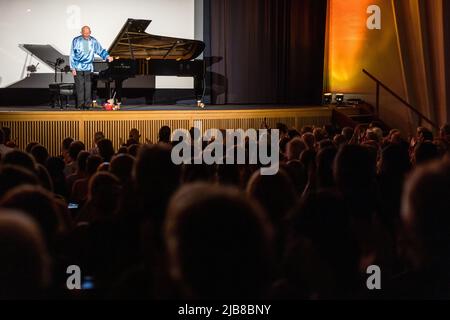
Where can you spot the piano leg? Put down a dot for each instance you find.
(198, 88)
(108, 90)
(119, 84)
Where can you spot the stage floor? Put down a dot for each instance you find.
(176, 107)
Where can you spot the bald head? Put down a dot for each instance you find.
(86, 32)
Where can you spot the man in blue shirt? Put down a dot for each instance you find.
(84, 47)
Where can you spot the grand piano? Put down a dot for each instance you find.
(137, 53)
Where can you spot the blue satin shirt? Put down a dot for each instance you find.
(82, 60)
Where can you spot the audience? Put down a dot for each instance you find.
(140, 226)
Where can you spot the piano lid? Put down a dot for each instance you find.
(133, 37)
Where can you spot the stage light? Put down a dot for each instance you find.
(327, 98)
(339, 98)
(200, 104)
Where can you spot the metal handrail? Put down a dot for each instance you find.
(403, 101)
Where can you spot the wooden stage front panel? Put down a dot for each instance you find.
(49, 128)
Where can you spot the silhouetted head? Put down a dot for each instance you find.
(444, 131)
(424, 134)
(134, 135)
(156, 177)
(103, 167)
(82, 161)
(324, 166)
(371, 136)
(44, 177)
(275, 193)
(14, 176)
(283, 145)
(395, 136)
(19, 158)
(65, 145)
(354, 168)
(322, 256)
(377, 134)
(284, 130)
(55, 166)
(5, 135)
(30, 146)
(443, 147)
(40, 154)
(309, 140)
(325, 143)
(104, 194)
(339, 140)
(424, 152)
(99, 135)
(75, 148)
(164, 134)
(92, 164)
(133, 150)
(394, 161)
(122, 150)
(298, 175)
(306, 129)
(25, 267)
(308, 159)
(294, 148)
(218, 242)
(105, 149)
(347, 132)
(319, 134)
(39, 204)
(293, 133)
(425, 213)
(122, 167)
(329, 131)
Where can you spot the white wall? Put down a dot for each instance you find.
(57, 22)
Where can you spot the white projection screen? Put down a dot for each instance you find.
(58, 22)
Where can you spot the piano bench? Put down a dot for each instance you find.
(60, 92)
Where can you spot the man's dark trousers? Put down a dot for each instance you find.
(83, 84)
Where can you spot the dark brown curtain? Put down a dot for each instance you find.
(265, 51)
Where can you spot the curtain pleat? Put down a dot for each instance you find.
(423, 35)
(267, 51)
